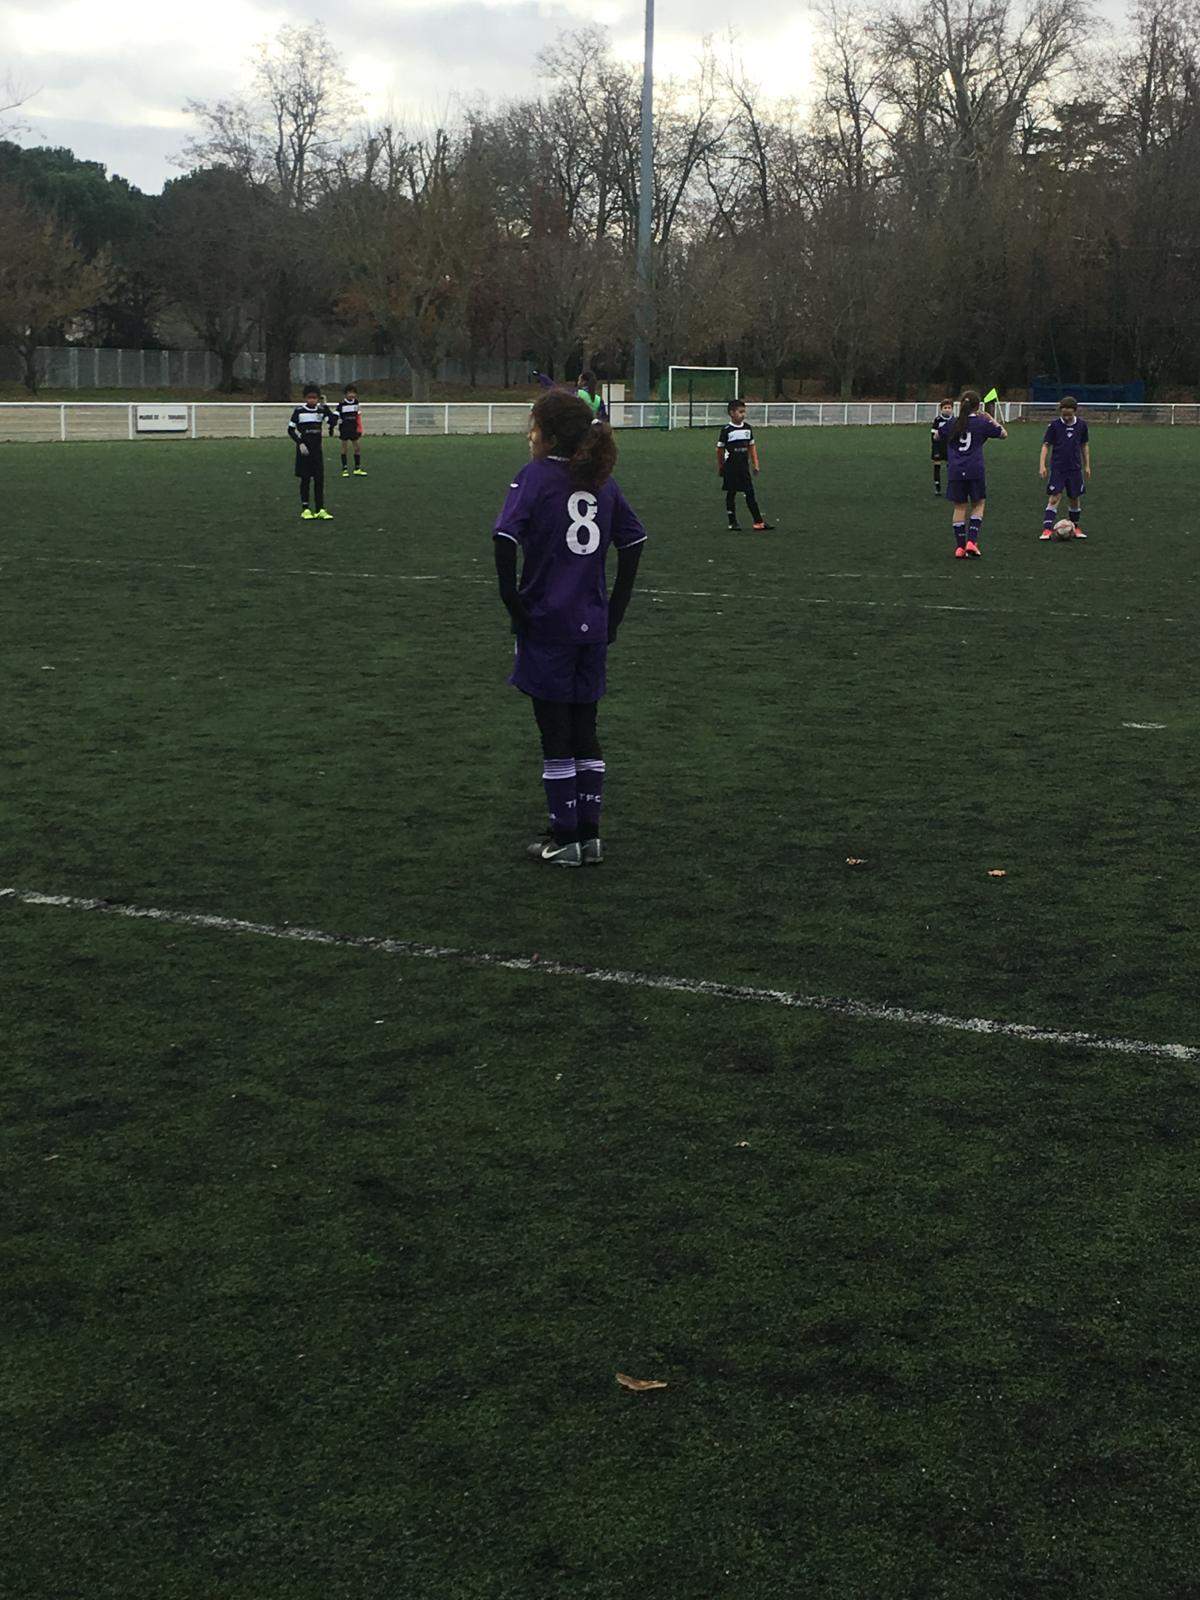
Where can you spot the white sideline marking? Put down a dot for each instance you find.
(686, 594)
(1143, 724)
(857, 1010)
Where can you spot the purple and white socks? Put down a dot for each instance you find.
(590, 788)
(558, 779)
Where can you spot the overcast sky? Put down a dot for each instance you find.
(111, 80)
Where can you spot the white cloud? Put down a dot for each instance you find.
(114, 78)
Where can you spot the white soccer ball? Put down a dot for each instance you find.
(1064, 529)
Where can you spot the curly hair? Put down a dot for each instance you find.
(568, 429)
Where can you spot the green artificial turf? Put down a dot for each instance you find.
(320, 1263)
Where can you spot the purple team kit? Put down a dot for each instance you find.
(964, 466)
(1066, 441)
(564, 532)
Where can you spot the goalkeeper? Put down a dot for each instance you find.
(585, 389)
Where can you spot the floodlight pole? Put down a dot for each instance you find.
(645, 303)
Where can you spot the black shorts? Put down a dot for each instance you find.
(311, 465)
(348, 430)
(938, 452)
(736, 478)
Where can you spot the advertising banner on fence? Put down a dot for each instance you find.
(162, 419)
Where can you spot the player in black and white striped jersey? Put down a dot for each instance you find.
(737, 456)
(307, 427)
(349, 415)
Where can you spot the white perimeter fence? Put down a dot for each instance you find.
(109, 419)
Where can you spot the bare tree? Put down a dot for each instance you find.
(285, 139)
(13, 96)
(208, 254)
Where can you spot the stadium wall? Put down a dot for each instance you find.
(90, 367)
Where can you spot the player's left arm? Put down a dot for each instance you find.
(754, 455)
(629, 536)
(1087, 454)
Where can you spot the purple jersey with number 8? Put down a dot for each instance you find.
(564, 531)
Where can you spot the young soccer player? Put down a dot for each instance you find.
(585, 389)
(1065, 442)
(937, 435)
(965, 486)
(349, 417)
(563, 510)
(306, 427)
(737, 457)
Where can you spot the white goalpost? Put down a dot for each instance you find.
(697, 396)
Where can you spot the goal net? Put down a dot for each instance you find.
(697, 396)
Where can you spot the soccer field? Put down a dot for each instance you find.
(322, 1257)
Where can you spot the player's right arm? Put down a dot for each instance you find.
(294, 430)
(1042, 460)
(507, 533)
(721, 437)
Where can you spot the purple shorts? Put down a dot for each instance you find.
(963, 491)
(1071, 483)
(571, 674)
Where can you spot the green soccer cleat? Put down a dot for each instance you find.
(305, 514)
(322, 515)
(359, 472)
(345, 472)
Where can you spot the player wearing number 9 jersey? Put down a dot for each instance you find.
(563, 511)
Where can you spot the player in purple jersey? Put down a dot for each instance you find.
(965, 486)
(937, 441)
(563, 511)
(1065, 442)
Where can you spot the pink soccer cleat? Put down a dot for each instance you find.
(973, 550)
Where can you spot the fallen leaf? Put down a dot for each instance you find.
(997, 872)
(856, 861)
(742, 1144)
(638, 1384)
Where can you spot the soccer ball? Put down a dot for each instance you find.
(1064, 529)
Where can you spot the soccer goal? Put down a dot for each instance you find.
(697, 396)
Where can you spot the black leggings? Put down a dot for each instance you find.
(313, 472)
(731, 500)
(567, 730)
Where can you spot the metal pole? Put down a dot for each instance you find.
(641, 343)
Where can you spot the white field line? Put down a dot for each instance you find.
(854, 1010)
(685, 594)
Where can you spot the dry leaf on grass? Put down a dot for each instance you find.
(997, 872)
(639, 1384)
(856, 861)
